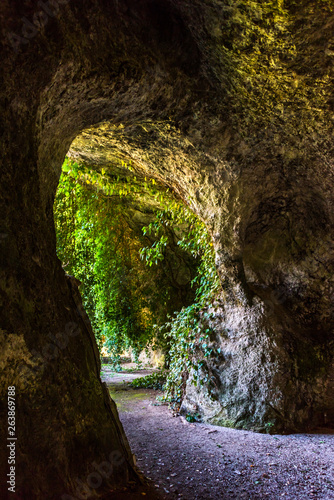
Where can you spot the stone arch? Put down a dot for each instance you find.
(156, 80)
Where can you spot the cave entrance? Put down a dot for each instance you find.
(171, 84)
(143, 263)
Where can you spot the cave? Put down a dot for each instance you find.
(230, 106)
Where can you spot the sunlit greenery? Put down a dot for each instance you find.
(184, 330)
(124, 286)
(97, 246)
(259, 58)
(153, 381)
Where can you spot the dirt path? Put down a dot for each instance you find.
(202, 462)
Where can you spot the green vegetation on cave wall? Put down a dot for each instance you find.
(96, 245)
(253, 141)
(124, 272)
(185, 331)
(273, 80)
(126, 285)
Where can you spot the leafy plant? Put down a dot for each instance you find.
(269, 427)
(97, 246)
(193, 417)
(154, 381)
(184, 329)
(125, 299)
(123, 289)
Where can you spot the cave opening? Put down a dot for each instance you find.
(231, 107)
(143, 264)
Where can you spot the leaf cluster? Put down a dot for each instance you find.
(182, 330)
(97, 246)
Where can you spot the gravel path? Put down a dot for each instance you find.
(203, 462)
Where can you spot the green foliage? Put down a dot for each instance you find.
(269, 427)
(154, 381)
(97, 246)
(122, 287)
(193, 417)
(183, 330)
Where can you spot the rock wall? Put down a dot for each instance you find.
(231, 106)
(257, 375)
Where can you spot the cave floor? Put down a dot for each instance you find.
(199, 461)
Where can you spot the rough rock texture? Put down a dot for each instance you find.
(257, 376)
(231, 105)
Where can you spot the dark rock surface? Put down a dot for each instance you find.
(231, 106)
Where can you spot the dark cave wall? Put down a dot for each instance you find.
(48, 352)
(237, 125)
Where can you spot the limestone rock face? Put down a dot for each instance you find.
(230, 104)
(256, 376)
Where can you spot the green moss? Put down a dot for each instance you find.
(124, 399)
(259, 51)
(223, 422)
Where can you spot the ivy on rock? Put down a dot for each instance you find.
(125, 274)
(184, 330)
